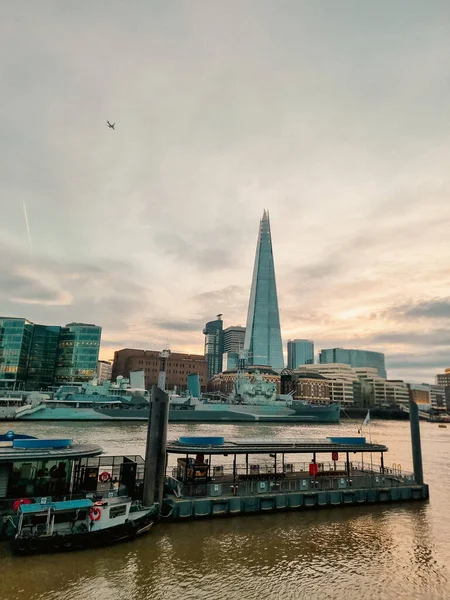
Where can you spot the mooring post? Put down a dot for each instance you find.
(415, 442)
(155, 454)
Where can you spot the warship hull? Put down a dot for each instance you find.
(208, 413)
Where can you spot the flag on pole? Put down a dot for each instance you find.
(367, 419)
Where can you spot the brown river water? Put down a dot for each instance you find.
(367, 552)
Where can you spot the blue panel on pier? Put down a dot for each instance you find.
(202, 441)
(40, 444)
(347, 440)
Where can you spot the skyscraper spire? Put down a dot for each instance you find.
(262, 344)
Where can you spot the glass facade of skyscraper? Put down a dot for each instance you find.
(214, 345)
(354, 358)
(78, 348)
(15, 342)
(262, 345)
(300, 352)
(42, 358)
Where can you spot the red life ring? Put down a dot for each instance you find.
(335, 455)
(95, 513)
(104, 477)
(17, 503)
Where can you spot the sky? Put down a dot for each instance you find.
(334, 116)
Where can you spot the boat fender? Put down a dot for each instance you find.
(32, 544)
(95, 513)
(21, 545)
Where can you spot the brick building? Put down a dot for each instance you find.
(178, 367)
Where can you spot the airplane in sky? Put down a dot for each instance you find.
(110, 125)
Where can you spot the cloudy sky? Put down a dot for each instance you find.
(335, 116)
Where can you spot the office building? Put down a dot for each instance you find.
(104, 371)
(42, 357)
(354, 358)
(344, 386)
(262, 344)
(379, 392)
(34, 357)
(300, 352)
(178, 367)
(213, 332)
(443, 379)
(15, 343)
(438, 398)
(233, 339)
(78, 348)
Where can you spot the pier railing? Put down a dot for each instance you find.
(243, 483)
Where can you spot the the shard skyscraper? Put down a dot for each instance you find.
(262, 344)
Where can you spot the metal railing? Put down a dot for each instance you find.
(361, 477)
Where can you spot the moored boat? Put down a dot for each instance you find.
(78, 524)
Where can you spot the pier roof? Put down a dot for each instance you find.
(192, 445)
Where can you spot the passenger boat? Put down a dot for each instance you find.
(79, 524)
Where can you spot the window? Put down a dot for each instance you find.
(117, 511)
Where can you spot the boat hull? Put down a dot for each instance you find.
(81, 541)
(207, 414)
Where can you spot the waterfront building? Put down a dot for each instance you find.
(42, 357)
(262, 344)
(308, 387)
(443, 379)
(344, 384)
(78, 348)
(379, 392)
(104, 371)
(224, 382)
(300, 352)
(233, 339)
(354, 358)
(437, 398)
(15, 344)
(178, 367)
(214, 347)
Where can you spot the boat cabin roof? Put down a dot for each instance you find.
(218, 445)
(15, 447)
(69, 505)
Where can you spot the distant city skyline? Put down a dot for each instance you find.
(330, 115)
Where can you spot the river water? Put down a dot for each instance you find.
(366, 552)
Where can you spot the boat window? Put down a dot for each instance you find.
(117, 511)
(65, 516)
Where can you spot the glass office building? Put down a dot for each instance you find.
(214, 345)
(354, 358)
(262, 345)
(300, 352)
(78, 348)
(42, 357)
(15, 343)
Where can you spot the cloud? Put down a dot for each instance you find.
(328, 115)
(437, 308)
